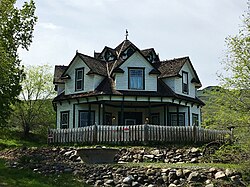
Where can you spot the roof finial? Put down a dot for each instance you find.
(126, 34)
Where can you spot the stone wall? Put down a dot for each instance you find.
(65, 160)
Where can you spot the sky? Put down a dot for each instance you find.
(174, 28)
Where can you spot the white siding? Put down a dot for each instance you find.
(175, 83)
(90, 81)
(136, 60)
(64, 107)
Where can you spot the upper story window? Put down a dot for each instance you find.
(184, 82)
(79, 78)
(136, 78)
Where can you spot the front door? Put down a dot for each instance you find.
(131, 118)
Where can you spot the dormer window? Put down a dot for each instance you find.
(79, 78)
(136, 78)
(184, 82)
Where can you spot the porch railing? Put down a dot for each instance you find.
(136, 134)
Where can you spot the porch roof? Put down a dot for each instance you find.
(106, 88)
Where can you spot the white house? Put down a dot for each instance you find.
(126, 86)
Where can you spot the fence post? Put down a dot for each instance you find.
(95, 134)
(146, 129)
(195, 133)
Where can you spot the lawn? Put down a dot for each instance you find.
(10, 177)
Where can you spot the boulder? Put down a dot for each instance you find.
(220, 175)
(128, 180)
(193, 176)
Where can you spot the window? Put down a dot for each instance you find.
(155, 118)
(174, 119)
(184, 82)
(79, 79)
(136, 78)
(108, 118)
(195, 119)
(84, 118)
(64, 120)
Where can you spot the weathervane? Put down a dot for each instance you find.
(126, 34)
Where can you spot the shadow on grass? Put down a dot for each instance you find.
(26, 178)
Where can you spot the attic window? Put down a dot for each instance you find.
(184, 82)
(79, 79)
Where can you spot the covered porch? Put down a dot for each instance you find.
(136, 110)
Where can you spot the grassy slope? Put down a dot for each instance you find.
(26, 178)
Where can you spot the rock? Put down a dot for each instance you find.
(128, 180)
(212, 170)
(98, 183)
(193, 176)
(220, 175)
(148, 156)
(210, 185)
(155, 152)
(109, 182)
(229, 172)
(68, 170)
(171, 176)
(194, 160)
(186, 172)
(172, 185)
(194, 150)
(151, 185)
(68, 153)
(135, 184)
(179, 173)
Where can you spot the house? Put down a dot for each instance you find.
(126, 86)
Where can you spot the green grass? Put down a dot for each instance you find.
(185, 165)
(26, 178)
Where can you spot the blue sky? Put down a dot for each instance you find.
(177, 28)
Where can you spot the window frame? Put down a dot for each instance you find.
(175, 113)
(155, 115)
(79, 117)
(143, 77)
(185, 86)
(81, 79)
(195, 116)
(61, 117)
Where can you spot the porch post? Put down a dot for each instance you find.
(149, 111)
(122, 113)
(168, 117)
(103, 114)
(74, 115)
(99, 113)
(89, 114)
(189, 116)
(165, 115)
(178, 120)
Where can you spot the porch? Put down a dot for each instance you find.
(136, 134)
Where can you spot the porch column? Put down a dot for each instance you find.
(178, 120)
(99, 113)
(122, 113)
(165, 115)
(89, 113)
(168, 116)
(149, 111)
(103, 114)
(189, 123)
(74, 115)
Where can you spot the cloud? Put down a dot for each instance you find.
(48, 25)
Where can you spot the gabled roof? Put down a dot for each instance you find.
(58, 73)
(170, 68)
(96, 66)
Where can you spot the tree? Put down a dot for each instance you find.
(35, 109)
(230, 105)
(16, 29)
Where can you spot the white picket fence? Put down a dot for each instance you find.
(135, 134)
